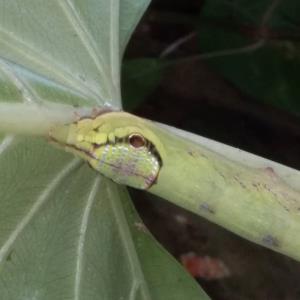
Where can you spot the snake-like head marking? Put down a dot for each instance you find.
(116, 144)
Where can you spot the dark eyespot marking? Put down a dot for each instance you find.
(136, 140)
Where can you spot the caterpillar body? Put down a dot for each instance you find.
(124, 153)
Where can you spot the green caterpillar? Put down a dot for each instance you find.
(126, 154)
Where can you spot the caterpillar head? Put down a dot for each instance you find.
(116, 144)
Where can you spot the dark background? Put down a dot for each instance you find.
(247, 96)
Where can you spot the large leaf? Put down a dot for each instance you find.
(267, 72)
(66, 232)
(71, 234)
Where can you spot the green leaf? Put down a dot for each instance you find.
(141, 77)
(243, 12)
(268, 73)
(131, 12)
(71, 234)
(66, 232)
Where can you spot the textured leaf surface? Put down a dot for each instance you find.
(66, 232)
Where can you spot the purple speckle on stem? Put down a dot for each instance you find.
(270, 241)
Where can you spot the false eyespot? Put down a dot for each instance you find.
(124, 155)
(136, 140)
(131, 160)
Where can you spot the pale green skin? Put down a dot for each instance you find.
(254, 203)
(109, 151)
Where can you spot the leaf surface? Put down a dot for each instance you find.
(65, 231)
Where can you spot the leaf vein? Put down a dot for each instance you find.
(82, 235)
(126, 237)
(114, 44)
(27, 93)
(4, 249)
(46, 62)
(87, 40)
(6, 142)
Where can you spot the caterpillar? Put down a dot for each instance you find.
(123, 153)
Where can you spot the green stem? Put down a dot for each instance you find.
(252, 202)
(33, 119)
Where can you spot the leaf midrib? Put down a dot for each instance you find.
(87, 40)
(82, 235)
(127, 240)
